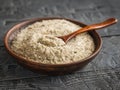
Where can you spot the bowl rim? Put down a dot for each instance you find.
(32, 20)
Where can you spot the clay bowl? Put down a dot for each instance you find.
(50, 68)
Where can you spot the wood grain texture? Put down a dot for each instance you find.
(103, 73)
(88, 12)
(100, 74)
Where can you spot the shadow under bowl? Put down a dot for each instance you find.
(51, 69)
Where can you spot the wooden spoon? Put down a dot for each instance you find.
(103, 24)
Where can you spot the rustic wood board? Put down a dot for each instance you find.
(87, 11)
(103, 73)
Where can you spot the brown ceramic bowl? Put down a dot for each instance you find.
(50, 68)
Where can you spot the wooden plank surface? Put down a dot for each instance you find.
(103, 73)
(87, 11)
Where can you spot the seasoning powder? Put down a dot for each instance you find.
(38, 42)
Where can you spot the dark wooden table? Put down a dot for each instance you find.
(103, 73)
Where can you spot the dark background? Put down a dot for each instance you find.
(103, 73)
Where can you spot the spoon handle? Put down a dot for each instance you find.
(103, 24)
